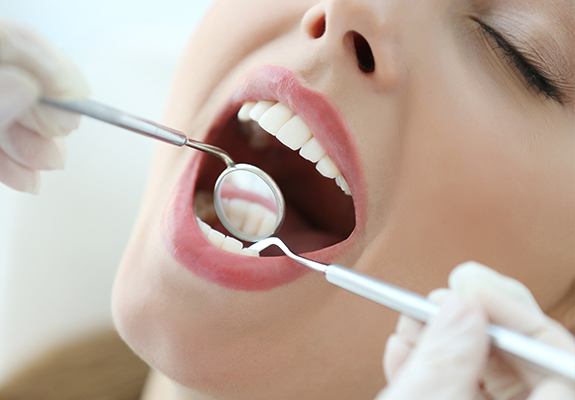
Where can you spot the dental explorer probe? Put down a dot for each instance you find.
(418, 307)
(154, 130)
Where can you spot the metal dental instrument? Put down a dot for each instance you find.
(113, 116)
(539, 354)
(236, 182)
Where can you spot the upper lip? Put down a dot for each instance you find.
(185, 240)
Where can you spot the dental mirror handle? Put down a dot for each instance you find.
(154, 130)
(415, 306)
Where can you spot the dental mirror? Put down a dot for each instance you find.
(248, 202)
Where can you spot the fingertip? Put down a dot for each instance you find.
(466, 272)
(438, 296)
(475, 280)
(450, 355)
(460, 316)
(19, 92)
(408, 329)
(56, 74)
(17, 177)
(396, 352)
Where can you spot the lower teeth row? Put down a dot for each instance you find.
(252, 218)
(224, 242)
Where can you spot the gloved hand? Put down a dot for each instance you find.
(29, 132)
(450, 359)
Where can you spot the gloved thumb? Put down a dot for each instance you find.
(448, 359)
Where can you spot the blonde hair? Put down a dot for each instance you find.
(97, 367)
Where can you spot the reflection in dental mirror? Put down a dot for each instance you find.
(248, 202)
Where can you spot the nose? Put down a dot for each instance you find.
(361, 32)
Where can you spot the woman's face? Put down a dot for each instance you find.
(453, 123)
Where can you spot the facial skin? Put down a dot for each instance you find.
(461, 160)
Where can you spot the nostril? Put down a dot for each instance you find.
(363, 53)
(317, 28)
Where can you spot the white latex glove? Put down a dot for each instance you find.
(450, 360)
(30, 67)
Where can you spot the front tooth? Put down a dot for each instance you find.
(235, 211)
(232, 245)
(327, 168)
(260, 108)
(250, 252)
(217, 238)
(244, 113)
(205, 228)
(253, 219)
(312, 150)
(274, 118)
(342, 183)
(294, 133)
(268, 224)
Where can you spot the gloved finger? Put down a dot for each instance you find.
(30, 149)
(18, 177)
(516, 316)
(396, 353)
(57, 76)
(18, 93)
(49, 122)
(510, 304)
(470, 277)
(501, 381)
(449, 357)
(407, 333)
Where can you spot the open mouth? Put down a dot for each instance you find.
(269, 135)
(295, 136)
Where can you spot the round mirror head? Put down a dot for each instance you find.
(248, 202)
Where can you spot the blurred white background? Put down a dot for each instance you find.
(59, 250)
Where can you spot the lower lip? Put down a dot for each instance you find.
(189, 247)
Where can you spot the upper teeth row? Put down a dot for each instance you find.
(278, 120)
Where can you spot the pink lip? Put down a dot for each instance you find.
(187, 243)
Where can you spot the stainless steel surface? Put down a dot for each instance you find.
(541, 355)
(213, 150)
(408, 303)
(142, 126)
(268, 182)
(274, 241)
(113, 116)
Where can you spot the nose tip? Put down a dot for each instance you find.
(315, 26)
(361, 32)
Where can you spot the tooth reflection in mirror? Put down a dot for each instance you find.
(248, 202)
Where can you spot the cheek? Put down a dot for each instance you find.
(492, 189)
(189, 341)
